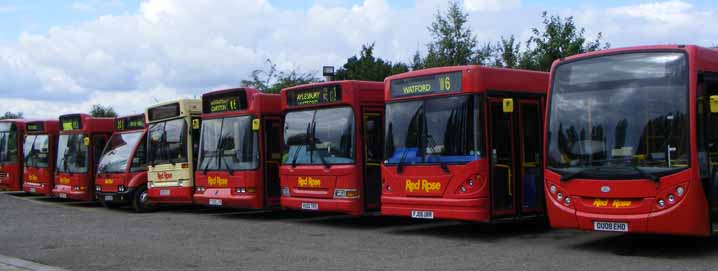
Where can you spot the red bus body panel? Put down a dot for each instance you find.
(687, 216)
(109, 182)
(80, 186)
(11, 173)
(37, 180)
(260, 105)
(357, 95)
(448, 203)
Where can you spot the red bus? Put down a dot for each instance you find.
(631, 141)
(122, 171)
(464, 143)
(332, 139)
(40, 153)
(12, 133)
(240, 149)
(82, 138)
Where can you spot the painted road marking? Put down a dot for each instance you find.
(15, 264)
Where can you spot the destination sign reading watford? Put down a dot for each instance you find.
(424, 85)
(313, 96)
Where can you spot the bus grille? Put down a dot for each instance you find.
(3, 174)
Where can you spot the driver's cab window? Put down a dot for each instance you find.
(99, 142)
(139, 160)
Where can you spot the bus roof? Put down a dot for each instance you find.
(86, 123)
(480, 79)
(352, 92)
(42, 126)
(252, 101)
(704, 58)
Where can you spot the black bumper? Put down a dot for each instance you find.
(117, 197)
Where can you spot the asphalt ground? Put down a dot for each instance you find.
(86, 236)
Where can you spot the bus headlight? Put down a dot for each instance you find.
(200, 188)
(98, 188)
(680, 190)
(121, 188)
(567, 201)
(661, 203)
(285, 191)
(559, 196)
(552, 189)
(671, 198)
(346, 193)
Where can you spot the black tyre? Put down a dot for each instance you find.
(141, 202)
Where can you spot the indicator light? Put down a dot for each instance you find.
(680, 191)
(661, 203)
(552, 189)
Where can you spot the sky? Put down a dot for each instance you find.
(59, 57)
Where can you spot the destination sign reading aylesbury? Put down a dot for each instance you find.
(35, 127)
(224, 102)
(424, 85)
(71, 122)
(313, 96)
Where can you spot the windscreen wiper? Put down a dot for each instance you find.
(442, 164)
(306, 143)
(314, 147)
(645, 174)
(400, 165)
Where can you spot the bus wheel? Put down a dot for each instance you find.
(141, 202)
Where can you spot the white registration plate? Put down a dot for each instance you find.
(32, 190)
(164, 192)
(422, 214)
(310, 206)
(610, 226)
(63, 195)
(109, 198)
(215, 202)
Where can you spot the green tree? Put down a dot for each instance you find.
(559, 38)
(508, 52)
(367, 67)
(273, 81)
(453, 42)
(417, 63)
(101, 111)
(11, 115)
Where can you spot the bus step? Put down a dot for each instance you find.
(715, 227)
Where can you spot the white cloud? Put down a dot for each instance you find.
(490, 5)
(171, 48)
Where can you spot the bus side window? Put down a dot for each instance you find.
(139, 161)
(99, 145)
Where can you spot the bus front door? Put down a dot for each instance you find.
(373, 152)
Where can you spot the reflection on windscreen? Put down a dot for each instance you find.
(168, 143)
(228, 144)
(36, 151)
(435, 130)
(319, 136)
(118, 151)
(621, 111)
(72, 154)
(8, 143)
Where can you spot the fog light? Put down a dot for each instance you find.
(671, 198)
(285, 191)
(679, 191)
(661, 203)
(388, 188)
(559, 196)
(98, 188)
(462, 189)
(346, 193)
(552, 189)
(567, 201)
(121, 188)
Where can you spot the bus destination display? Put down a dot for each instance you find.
(425, 85)
(73, 122)
(164, 112)
(135, 122)
(313, 96)
(225, 102)
(35, 127)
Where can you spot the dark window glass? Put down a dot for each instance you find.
(372, 139)
(37, 151)
(168, 142)
(72, 153)
(319, 136)
(620, 116)
(435, 130)
(8, 143)
(118, 151)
